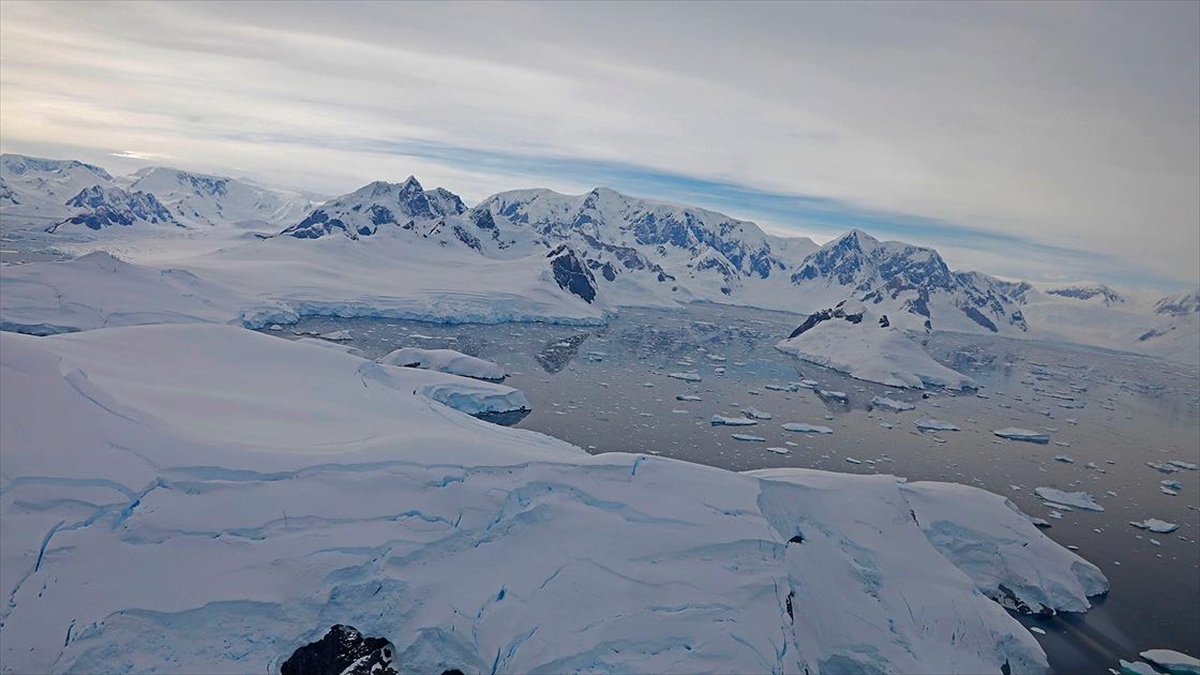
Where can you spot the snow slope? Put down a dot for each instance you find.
(34, 191)
(203, 199)
(274, 488)
(445, 361)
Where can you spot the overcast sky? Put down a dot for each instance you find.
(1037, 140)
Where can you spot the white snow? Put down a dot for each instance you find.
(445, 361)
(1079, 500)
(802, 428)
(1018, 434)
(206, 498)
(1175, 662)
(867, 352)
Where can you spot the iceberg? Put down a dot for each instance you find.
(445, 361)
(718, 420)
(1155, 525)
(1079, 500)
(749, 438)
(891, 404)
(802, 428)
(1018, 434)
(1174, 662)
(930, 424)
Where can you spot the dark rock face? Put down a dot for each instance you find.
(1107, 295)
(571, 274)
(343, 650)
(105, 207)
(838, 312)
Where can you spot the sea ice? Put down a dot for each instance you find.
(1079, 500)
(1018, 434)
(930, 424)
(891, 404)
(1174, 662)
(756, 414)
(686, 377)
(749, 438)
(1155, 525)
(802, 428)
(718, 420)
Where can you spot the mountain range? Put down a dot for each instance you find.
(605, 248)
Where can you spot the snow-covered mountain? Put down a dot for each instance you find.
(99, 207)
(213, 200)
(392, 206)
(1179, 304)
(912, 284)
(35, 190)
(1098, 293)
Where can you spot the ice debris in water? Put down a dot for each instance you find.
(718, 420)
(756, 414)
(1079, 500)
(1155, 525)
(1018, 434)
(930, 424)
(802, 428)
(1064, 459)
(688, 397)
(686, 377)
(749, 438)
(1176, 663)
(891, 404)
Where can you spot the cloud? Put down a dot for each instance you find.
(1068, 134)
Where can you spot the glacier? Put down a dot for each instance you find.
(275, 488)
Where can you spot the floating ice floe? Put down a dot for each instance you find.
(930, 424)
(1064, 459)
(1155, 525)
(1136, 668)
(1172, 484)
(688, 397)
(718, 420)
(1018, 434)
(686, 377)
(1162, 467)
(1174, 662)
(445, 361)
(1079, 500)
(802, 428)
(891, 404)
(832, 395)
(778, 450)
(1168, 491)
(749, 438)
(1184, 465)
(851, 460)
(756, 414)
(337, 336)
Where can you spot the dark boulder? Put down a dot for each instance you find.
(343, 650)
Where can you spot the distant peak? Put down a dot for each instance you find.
(411, 183)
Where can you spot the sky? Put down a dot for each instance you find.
(1052, 142)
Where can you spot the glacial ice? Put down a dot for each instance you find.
(802, 428)
(1079, 500)
(1018, 434)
